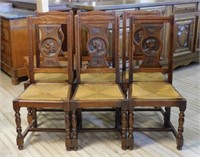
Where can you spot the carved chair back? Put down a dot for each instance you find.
(151, 45)
(138, 35)
(62, 31)
(97, 43)
(47, 35)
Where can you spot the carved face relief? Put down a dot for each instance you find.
(49, 46)
(150, 46)
(97, 47)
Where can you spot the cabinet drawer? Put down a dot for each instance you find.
(186, 8)
(161, 9)
(5, 48)
(6, 59)
(5, 34)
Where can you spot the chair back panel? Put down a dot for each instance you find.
(47, 37)
(138, 35)
(97, 43)
(151, 44)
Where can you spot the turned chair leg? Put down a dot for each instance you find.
(74, 131)
(130, 129)
(68, 131)
(179, 138)
(124, 130)
(20, 138)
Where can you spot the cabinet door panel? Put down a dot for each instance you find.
(161, 9)
(198, 35)
(185, 29)
(186, 8)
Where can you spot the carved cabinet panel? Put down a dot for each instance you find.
(185, 32)
(197, 49)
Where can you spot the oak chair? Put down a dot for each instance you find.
(154, 93)
(98, 56)
(137, 56)
(45, 37)
(51, 77)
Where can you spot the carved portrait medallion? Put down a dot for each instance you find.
(150, 46)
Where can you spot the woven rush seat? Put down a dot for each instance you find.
(51, 77)
(48, 77)
(145, 76)
(98, 92)
(154, 90)
(46, 91)
(97, 77)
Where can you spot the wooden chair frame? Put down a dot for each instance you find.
(99, 20)
(126, 16)
(34, 104)
(147, 67)
(62, 57)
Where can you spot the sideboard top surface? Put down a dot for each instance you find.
(124, 4)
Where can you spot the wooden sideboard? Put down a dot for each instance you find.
(14, 43)
(14, 35)
(14, 46)
(186, 14)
